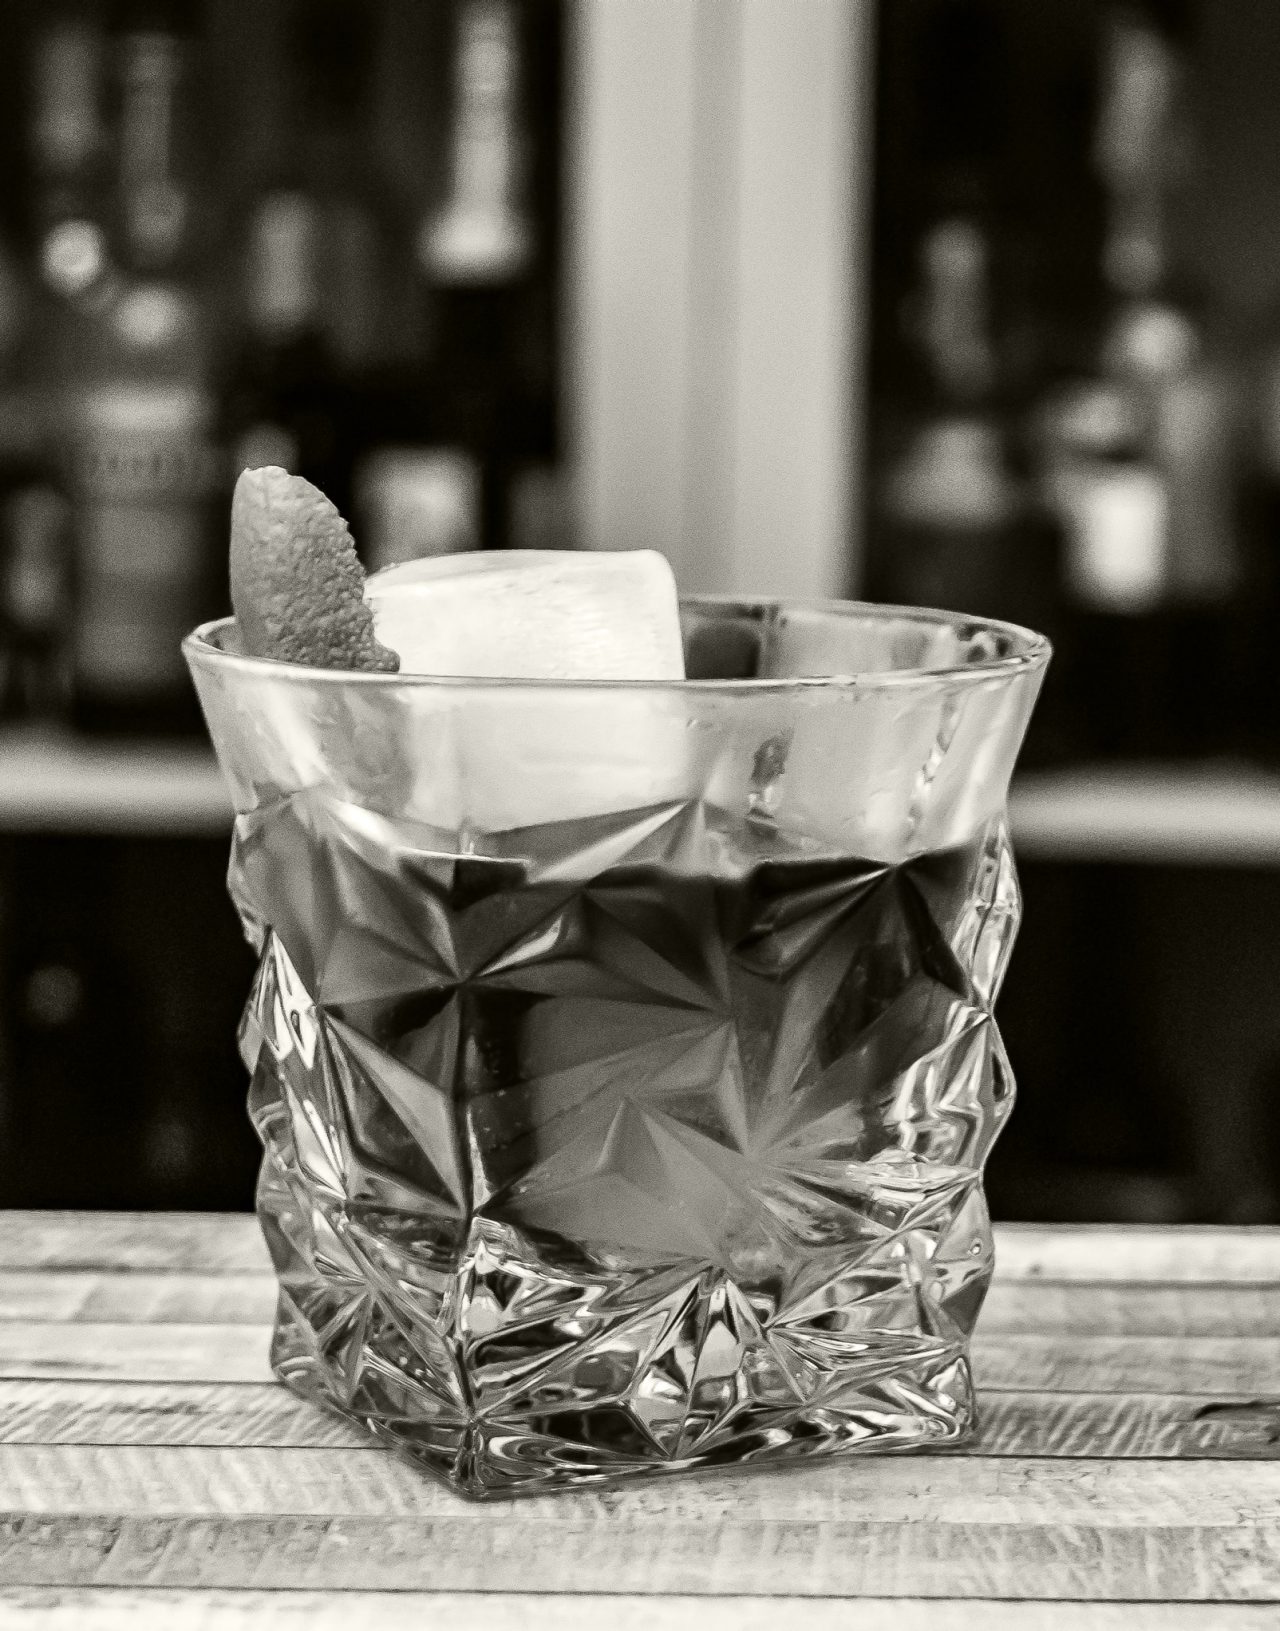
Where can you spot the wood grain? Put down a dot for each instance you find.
(156, 1353)
(1027, 1424)
(1089, 1364)
(168, 1242)
(151, 1472)
(56, 1412)
(506, 1549)
(1119, 1426)
(146, 1480)
(122, 1609)
(141, 1297)
(1119, 1309)
(231, 1243)
(1164, 1255)
(1016, 1307)
(238, 1353)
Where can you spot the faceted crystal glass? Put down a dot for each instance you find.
(623, 1054)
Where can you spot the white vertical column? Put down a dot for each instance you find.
(711, 431)
(802, 143)
(718, 154)
(627, 268)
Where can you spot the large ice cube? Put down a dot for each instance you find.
(532, 614)
(497, 757)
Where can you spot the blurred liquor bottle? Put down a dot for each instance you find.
(137, 413)
(472, 414)
(1260, 527)
(412, 490)
(365, 277)
(68, 152)
(955, 521)
(320, 263)
(34, 589)
(282, 399)
(956, 527)
(43, 296)
(1137, 440)
(34, 552)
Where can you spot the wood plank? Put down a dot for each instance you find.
(1119, 1426)
(146, 1480)
(1136, 1364)
(137, 1298)
(1012, 1424)
(1032, 1307)
(1215, 1366)
(165, 1242)
(1180, 1255)
(500, 1549)
(231, 1243)
(1014, 1307)
(125, 1609)
(137, 1353)
(168, 1413)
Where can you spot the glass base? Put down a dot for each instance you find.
(515, 1374)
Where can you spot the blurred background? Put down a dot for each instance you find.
(969, 303)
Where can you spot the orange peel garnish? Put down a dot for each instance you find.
(297, 588)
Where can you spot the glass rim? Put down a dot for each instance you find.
(198, 648)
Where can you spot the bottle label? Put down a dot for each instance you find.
(143, 470)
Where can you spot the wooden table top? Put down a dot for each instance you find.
(151, 1473)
